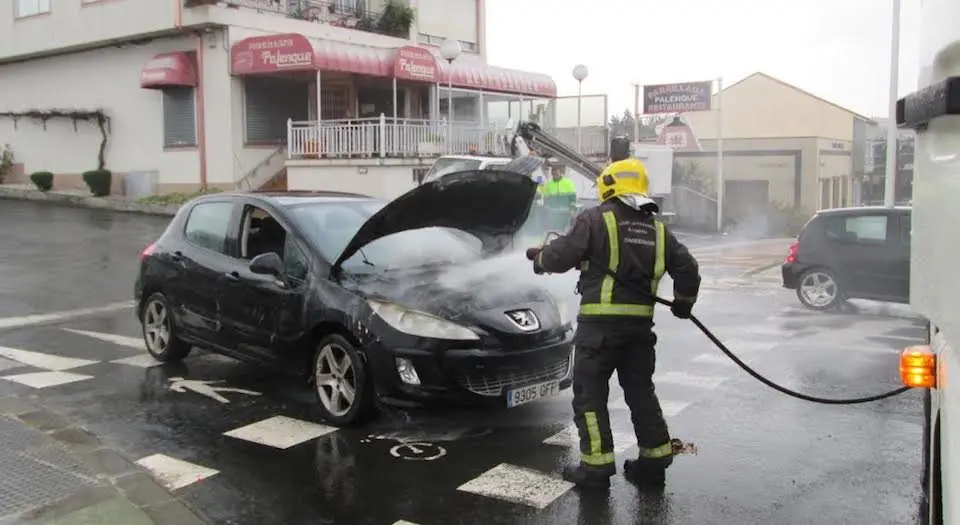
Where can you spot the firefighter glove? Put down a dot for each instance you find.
(682, 309)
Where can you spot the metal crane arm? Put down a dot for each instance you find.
(529, 135)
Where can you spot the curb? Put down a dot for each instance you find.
(85, 201)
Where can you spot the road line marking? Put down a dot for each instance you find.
(34, 319)
(517, 485)
(907, 338)
(139, 361)
(122, 340)
(174, 473)
(570, 437)
(690, 380)
(46, 379)
(280, 432)
(41, 360)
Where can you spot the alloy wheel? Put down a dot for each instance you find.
(156, 327)
(819, 289)
(336, 379)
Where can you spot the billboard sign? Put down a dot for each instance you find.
(677, 98)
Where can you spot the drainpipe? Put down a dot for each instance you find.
(201, 120)
(178, 14)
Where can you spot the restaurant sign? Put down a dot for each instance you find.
(677, 98)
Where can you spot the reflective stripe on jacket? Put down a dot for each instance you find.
(635, 246)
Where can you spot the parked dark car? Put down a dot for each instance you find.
(851, 253)
(356, 294)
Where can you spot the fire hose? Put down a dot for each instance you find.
(733, 357)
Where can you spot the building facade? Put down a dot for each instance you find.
(875, 164)
(207, 93)
(782, 146)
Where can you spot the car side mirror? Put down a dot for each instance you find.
(267, 264)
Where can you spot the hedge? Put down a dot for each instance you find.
(99, 182)
(43, 180)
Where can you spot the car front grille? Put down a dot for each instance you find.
(496, 382)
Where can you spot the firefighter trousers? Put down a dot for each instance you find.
(601, 350)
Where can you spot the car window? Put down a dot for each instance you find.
(445, 166)
(495, 165)
(295, 262)
(329, 227)
(866, 229)
(208, 224)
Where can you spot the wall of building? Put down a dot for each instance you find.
(788, 164)
(761, 107)
(107, 79)
(72, 23)
(386, 181)
(440, 19)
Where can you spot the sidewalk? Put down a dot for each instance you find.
(58, 474)
(83, 199)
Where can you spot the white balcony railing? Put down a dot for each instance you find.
(398, 138)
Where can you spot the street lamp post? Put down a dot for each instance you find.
(579, 73)
(450, 50)
(890, 183)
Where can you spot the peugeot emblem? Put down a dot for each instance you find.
(525, 320)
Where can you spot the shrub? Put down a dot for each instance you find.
(98, 181)
(43, 180)
(396, 19)
(176, 198)
(6, 161)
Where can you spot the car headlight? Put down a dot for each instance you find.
(420, 324)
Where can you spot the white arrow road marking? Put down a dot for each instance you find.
(41, 360)
(122, 340)
(205, 388)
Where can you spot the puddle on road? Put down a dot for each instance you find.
(430, 436)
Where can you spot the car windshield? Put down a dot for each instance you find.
(450, 165)
(330, 226)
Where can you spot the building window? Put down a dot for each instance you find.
(433, 40)
(179, 117)
(31, 7)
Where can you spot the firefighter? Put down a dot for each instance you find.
(615, 323)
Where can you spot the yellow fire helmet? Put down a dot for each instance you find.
(623, 177)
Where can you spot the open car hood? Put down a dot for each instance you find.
(490, 205)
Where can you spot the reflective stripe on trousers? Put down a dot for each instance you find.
(596, 457)
(606, 306)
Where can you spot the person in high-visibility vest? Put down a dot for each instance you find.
(559, 198)
(615, 323)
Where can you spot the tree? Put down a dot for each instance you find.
(623, 125)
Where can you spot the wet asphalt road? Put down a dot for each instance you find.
(762, 457)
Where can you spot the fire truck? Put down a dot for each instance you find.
(934, 113)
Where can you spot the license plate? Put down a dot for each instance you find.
(526, 394)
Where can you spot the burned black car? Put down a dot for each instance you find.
(369, 300)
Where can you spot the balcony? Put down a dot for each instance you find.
(395, 20)
(414, 138)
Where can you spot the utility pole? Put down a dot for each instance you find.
(890, 182)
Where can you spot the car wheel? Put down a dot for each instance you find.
(160, 332)
(343, 388)
(818, 290)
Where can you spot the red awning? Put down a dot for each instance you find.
(353, 58)
(472, 75)
(169, 69)
(295, 52)
(272, 54)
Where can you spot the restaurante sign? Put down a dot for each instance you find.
(677, 98)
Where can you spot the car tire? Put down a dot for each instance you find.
(818, 289)
(160, 331)
(344, 389)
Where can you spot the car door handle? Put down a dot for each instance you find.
(232, 276)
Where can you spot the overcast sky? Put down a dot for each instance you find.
(836, 49)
